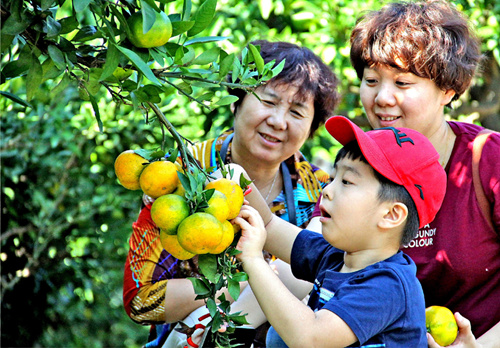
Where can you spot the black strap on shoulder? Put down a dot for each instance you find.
(290, 203)
(287, 180)
(225, 145)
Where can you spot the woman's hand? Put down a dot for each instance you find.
(465, 338)
(253, 234)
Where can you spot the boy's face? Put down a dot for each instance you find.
(350, 209)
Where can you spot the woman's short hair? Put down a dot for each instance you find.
(430, 39)
(305, 70)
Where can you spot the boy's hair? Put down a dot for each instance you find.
(430, 39)
(388, 191)
(305, 70)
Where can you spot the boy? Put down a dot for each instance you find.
(386, 184)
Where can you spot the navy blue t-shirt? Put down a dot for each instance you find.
(383, 304)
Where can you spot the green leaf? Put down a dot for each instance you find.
(186, 10)
(150, 155)
(16, 99)
(208, 266)
(148, 16)
(233, 288)
(93, 85)
(188, 56)
(226, 100)
(207, 57)
(180, 27)
(62, 85)
(51, 27)
(80, 5)
(5, 41)
(112, 60)
(277, 69)
(200, 288)
(259, 62)
(158, 56)
(140, 64)
(14, 25)
(16, 68)
(86, 33)
(205, 39)
(34, 78)
(239, 319)
(240, 277)
(96, 112)
(151, 5)
(203, 17)
(226, 65)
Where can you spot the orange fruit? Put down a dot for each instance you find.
(227, 238)
(233, 193)
(159, 178)
(158, 35)
(168, 211)
(200, 233)
(218, 206)
(172, 246)
(128, 169)
(441, 324)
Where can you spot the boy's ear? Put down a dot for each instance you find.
(395, 216)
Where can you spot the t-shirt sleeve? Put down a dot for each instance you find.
(308, 253)
(369, 302)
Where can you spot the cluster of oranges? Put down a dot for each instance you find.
(183, 233)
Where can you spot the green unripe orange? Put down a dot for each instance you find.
(158, 35)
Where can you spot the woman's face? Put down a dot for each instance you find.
(392, 98)
(273, 128)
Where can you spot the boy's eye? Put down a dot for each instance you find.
(346, 182)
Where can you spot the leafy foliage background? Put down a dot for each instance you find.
(65, 220)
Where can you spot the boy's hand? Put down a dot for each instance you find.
(253, 234)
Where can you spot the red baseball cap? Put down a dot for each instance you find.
(403, 156)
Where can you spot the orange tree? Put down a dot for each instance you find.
(62, 60)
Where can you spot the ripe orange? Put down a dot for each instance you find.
(172, 246)
(159, 178)
(218, 207)
(158, 35)
(199, 233)
(233, 193)
(441, 324)
(168, 211)
(128, 169)
(227, 238)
